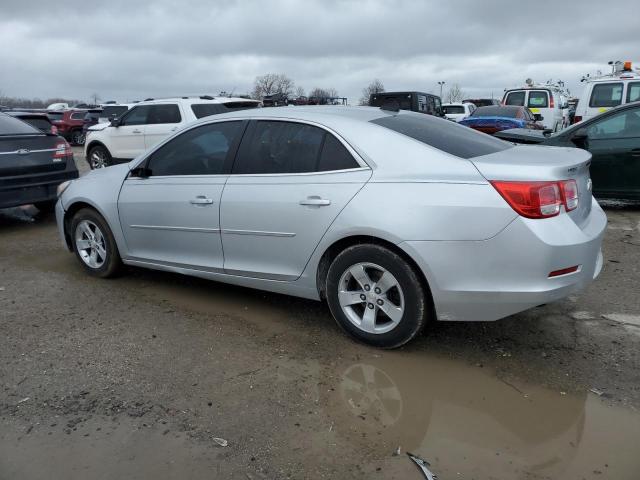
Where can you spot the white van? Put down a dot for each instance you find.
(457, 111)
(547, 101)
(605, 92)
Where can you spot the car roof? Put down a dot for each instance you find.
(192, 100)
(20, 113)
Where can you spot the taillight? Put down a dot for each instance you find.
(63, 150)
(54, 130)
(531, 199)
(551, 103)
(569, 190)
(577, 118)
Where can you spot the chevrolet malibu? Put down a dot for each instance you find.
(394, 218)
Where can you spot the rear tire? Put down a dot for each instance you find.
(77, 137)
(94, 245)
(376, 296)
(99, 157)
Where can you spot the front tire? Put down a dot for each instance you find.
(376, 296)
(99, 157)
(94, 245)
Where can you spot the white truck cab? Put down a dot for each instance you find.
(147, 123)
(548, 100)
(604, 92)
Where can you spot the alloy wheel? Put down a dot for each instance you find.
(98, 159)
(371, 298)
(91, 244)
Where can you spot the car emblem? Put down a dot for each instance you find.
(23, 151)
(589, 184)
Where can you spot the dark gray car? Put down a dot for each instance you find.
(32, 164)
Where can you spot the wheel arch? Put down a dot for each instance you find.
(96, 143)
(68, 216)
(340, 245)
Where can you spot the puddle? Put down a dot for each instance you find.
(470, 424)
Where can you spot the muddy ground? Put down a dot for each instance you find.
(145, 376)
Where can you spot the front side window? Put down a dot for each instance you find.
(633, 92)
(515, 98)
(538, 99)
(202, 150)
(164, 113)
(606, 95)
(622, 125)
(137, 116)
(108, 111)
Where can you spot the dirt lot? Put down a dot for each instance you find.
(145, 376)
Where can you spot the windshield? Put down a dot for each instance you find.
(509, 112)
(13, 126)
(449, 109)
(443, 134)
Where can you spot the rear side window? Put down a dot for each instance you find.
(164, 113)
(201, 110)
(200, 151)
(515, 98)
(633, 92)
(13, 126)
(279, 147)
(444, 135)
(606, 95)
(335, 156)
(538, 99)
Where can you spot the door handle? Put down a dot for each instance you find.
(136, 131)
(201, 200)
(315, 201)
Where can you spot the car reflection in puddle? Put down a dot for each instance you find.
(466, 421)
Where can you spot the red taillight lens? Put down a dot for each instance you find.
(577, 118)
(551, 102)
(564, 271)
(569, 190)
(54, 130)
(63, 150)
(531, 199)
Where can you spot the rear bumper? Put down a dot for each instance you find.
(26, 189)
(509, 273)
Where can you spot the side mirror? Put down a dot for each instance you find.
(140, 172)
(581, 138)
(537, 117)
(115, 122)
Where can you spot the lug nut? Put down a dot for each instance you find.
(363, 297)
(380, 302)
(367, 288)
(370, 305)
(378, 291)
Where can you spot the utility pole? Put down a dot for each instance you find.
(441, 84)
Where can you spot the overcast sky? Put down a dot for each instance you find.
(136, 49)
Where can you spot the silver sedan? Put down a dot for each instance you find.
(394, 218)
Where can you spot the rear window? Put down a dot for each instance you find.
(606, 95)
(78, 115)
(633, 92)
(55, 115)
(450, 109)
(13, 126)
(404, 101)
(538, 99)
(510, 112)
(113, 110)
(444, 135)
(201, 110)
(39, 122)
(515, 98)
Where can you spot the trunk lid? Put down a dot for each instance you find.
(522, 135)
(28, 154)
(529, 163)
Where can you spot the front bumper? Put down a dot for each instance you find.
(509, 273)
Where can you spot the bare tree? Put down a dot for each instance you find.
(374, 87)
(299, 92)
(455, 94)
(95, 97)
(323, 92)
(272, 83)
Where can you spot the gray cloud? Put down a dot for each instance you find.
(133, 49)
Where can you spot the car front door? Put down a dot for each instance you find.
(164, 120)
(170, 210)
(127, 139)
(614, 143)
(289, 182)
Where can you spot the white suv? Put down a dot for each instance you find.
(149, 122)
(545, 101)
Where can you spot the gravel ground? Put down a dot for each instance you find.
(156, 375)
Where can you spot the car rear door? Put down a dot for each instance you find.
(614, 143)
(164, 119)
(171, 215)
(289, 182)
(126, 141)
